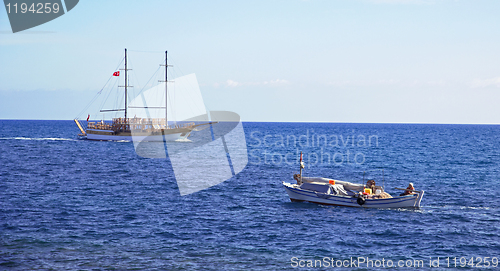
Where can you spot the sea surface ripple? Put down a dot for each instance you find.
(68, 204)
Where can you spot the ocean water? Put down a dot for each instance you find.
(68, 204)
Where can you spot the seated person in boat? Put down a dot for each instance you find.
(371, 184)
(383, 195)
(408, 190)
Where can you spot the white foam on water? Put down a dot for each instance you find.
(37, 138)
(183, 140)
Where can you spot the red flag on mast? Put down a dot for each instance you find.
(116, 73)
(88, 117)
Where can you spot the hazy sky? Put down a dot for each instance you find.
(316, 60)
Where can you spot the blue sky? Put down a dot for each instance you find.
(329, 61)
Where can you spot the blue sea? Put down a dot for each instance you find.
(69, 204)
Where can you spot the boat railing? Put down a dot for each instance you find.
(148, 124)
(99, 126)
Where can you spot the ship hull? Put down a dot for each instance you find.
(104, 135)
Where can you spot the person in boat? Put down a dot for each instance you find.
(371, 184)
(297, 178)
(409, 190)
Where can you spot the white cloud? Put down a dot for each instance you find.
(231, 83)
(276, 82)
(482, 83)
(388, 83)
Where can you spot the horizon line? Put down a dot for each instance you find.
(339, 122)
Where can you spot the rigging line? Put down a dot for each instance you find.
(132, 77)
(94, 98)
(172, 101)
(116, 82)
(109, 94)
(143, 87)
(119, 64)
(119, 98)
(153, 52)
(88, 105)
(99, 92)
(142, 90)
(172, 92)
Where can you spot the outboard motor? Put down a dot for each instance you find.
(361, 200)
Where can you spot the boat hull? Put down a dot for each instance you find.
(111, 136)
(301, 195)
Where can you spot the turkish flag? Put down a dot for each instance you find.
(88, 117)
(116, 73)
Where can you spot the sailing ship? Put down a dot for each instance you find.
(142, 128)
(212, 156)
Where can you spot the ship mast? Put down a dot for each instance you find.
(125, 85)
(166, 89)
(126, 95)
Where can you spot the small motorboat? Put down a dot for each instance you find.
(340, 193)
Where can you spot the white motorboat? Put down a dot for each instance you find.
(340, 193)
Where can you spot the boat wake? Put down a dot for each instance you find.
(447, 208)
(37, 138)
(183, 140)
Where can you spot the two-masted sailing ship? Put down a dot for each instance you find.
(144, 128)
